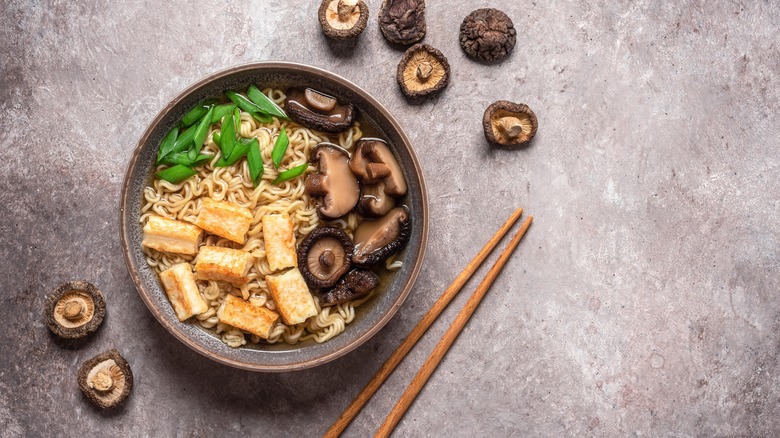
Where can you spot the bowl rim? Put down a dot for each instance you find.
(292, 67)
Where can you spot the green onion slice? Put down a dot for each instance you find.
(255, 162)
(166, 146)
(241, 148)
(184, 141)
(227, 137)
(197, 112)
(265, 104)
(202, 130)
(221, 111)
(185, 159)
(280, 147)
(176, 174)
(291, 173)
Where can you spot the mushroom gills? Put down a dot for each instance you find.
(343, 19)
(334, 183)
(106, 379)
(317, 110)
(423, 71)
(74, 310)
(509, 124)
(357, 283)
(324, 256)
(378, 239)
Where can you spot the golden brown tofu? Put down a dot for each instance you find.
(223, 264)
(279, 241)
(179, 285)
(169, 235)
(224, 219)
(291, 294)
(243, 315)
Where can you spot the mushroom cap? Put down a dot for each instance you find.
(509, 124)
(343, 19)
(375, 151)
(402, 21)
(307, 107)
(374, 200)
(423, 71)
(487, 34)
(334, 183)
(75, 309)
(378, 239)
(106, 379)
(357, 283)
(324, 256)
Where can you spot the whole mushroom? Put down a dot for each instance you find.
(324, 256)
(75, 309)
(402, 21)
(381, 175)
(376, 240)
(423, 71)
(343, 19)
(317, 110)
(334, 184)
(487, 34)
(106, 379)
(509, 124)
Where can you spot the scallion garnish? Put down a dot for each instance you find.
(197, 112)
(202, 130)
(255, 162)
(166, 147)
(176, 174)
(221, 111)
(265, 104)
(280, 147)
(291, 173)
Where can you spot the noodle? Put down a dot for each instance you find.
(183, 202)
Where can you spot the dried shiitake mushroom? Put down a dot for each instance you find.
(402, 21)
(106, 379)
(343, 19)
(487, 34)
(422, 71)
(317, 110)
(324, 256)
(75, 309)
(509, 124)
(376, 240)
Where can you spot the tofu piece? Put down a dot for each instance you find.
(169, 235)
(279, 241)
(291, 294)
(225, 219)
(223, 264)
(243, 315)
(179, 285)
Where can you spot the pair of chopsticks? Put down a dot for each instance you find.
(446, 341)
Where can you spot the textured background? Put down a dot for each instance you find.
(643, 301)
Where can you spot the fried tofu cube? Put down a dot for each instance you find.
(243, 315)
(169, 235)
(291, 294)
(223, 264)
(225, 219)
(182, 291)
(279, 241)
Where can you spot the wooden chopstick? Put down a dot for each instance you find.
(449, 337)
(384, 372)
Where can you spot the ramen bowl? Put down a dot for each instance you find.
(370, 316)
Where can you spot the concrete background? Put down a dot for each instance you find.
(642, 302)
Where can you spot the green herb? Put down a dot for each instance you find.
(197, 112)
(176, 174)
(221, 111)
(227, 137)
(166, 146)
(291, 173)
(262, 118)
(241, 148)
(184, 141)
(185, 159)
(255, 162)
(215, 138)
(202, 130)
(244, 103)
(280, 147)
(237, 116)
(265, 104)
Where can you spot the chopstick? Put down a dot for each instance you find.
(449, 337)
(392, 362)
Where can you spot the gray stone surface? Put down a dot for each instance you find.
(643, 301)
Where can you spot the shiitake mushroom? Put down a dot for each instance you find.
(423, 71)
(357, 283)
(317, 110)
(106, 379)
(402, 21)
(324, 256)
(343, 19)
(74, 310)
(376, 240)
(509, 124)
(487, 34)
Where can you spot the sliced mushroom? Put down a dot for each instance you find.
(509, 124)
(318, 110)
(377, 240)
(334, 184)
(357, 283)
(324, 256)
(402, 21)
(487, 34)
(423, 71)
(374, 200)
(373, 162)
(75, 309)
(343, 19)
(106, 379)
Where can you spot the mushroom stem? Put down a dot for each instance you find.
(102, 381)
(327, 258)
(424, 70)
(510, 126)
(345, 9)
(73, 310)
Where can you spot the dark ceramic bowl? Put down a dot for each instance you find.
(371, 316)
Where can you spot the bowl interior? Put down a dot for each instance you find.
(371, 316)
